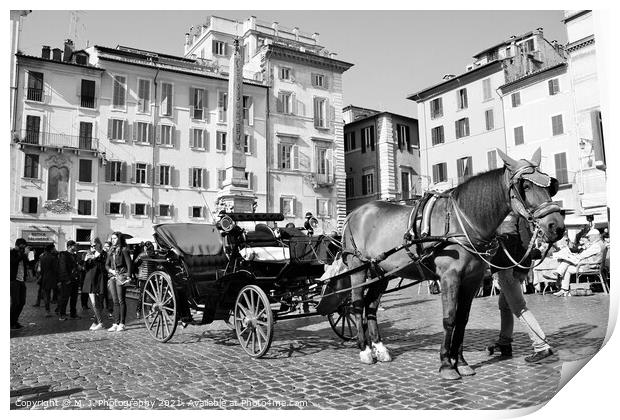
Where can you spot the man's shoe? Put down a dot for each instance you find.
(96, 327)
(121, 327)
(62, 318)
(537, 356)
(113, 328)
(505, 350)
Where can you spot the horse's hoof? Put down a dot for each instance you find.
(366, 356)
(465, 370)
(381, 352)
(449, 373)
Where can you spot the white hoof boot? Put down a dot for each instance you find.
(381, 352)
(366, 356)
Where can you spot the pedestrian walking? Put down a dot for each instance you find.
(95, 280)
(68, 281)
(19, 267)
(118, 265)
(515, 235)
(145, 267)
(48, 265)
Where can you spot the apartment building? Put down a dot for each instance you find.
(382, 156)
(304, 131)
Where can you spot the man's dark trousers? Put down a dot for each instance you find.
(18, 300)
(69, 294)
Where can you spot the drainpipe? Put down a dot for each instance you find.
(503, 118)
(153, 169)
(268, 202)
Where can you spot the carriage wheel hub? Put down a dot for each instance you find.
(249, 321)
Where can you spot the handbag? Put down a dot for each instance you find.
(122, 279)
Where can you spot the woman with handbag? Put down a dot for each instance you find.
(95, 280)
(118, 265)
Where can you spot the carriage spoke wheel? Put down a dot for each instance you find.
(159, 306)
(343, 322)
(253, 320)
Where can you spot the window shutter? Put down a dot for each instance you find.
(156, 211)
(126, 130)
(133, 209)
(175, 137)
(108, 172)
(295, 157)
(189, 177)
(250, 111)
(325, 82)
(372, 137)
(133, 173)
(171, 210)
(279, 104)
(297, 208)
(205, 139)
(456, 129)
(331, 114)
(213, 49)
(190, 213)
(364, 185)
(191, 100)
(191, 138)
(134, 130)
(363, 138)
(293, 104)
(151, 132)
(408, 137)
(158, 175)
(550, 87)
(107, 207)
(205, 106)
(282, 205)
(279, 163)
(352, 145)
(24, 205)
(205, 178)
(124, 174)
(110, 128)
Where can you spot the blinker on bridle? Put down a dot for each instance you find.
(542, 180)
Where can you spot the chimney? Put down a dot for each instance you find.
(274, 26)
(252, 22)
(57, 54)
(538, 31)
(45, 52)
(332, 55)
(186, 39)
(296, 33)
(68, 49)
(315, 36)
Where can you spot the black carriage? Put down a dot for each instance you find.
(250, 274)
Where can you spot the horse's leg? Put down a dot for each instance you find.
(450, 282)
(373, 298)
(357, 302)
(469, 288)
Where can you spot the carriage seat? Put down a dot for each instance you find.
(204, 267)
(274, 254)
(261, 236)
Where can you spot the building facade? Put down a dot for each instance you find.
(304, 131)
(382, 157)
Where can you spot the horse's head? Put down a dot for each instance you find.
(530, 195)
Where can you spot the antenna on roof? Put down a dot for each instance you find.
(75, 28)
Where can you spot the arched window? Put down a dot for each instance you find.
(58, 183)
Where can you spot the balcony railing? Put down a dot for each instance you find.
(40, 138)
(87, 101)
(323, 180)
(34, 95)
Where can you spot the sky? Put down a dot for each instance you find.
(395, 53)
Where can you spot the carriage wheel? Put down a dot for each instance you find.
(253, 320)
(343, 322)
(159, 306)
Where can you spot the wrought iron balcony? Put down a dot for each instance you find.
(34, 95)
(46, 139)
(87, 101)
(323, 180)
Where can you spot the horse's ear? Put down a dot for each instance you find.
(510, 162)
(536, 157)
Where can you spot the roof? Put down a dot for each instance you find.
(49, 60)
(533, 74)
(508, 41)
(307, 56)
(378, 114)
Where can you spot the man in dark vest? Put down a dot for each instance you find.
(68, 281)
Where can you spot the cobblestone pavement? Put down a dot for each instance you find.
(63, 365)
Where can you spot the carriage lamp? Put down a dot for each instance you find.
(226, 223)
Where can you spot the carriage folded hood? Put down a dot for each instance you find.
(191, 238)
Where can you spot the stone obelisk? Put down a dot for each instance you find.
(235, 195)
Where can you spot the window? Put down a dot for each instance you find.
(247, 144)
(492, 159)
(463, 168)
(405, 186)
(87, 94)
(164, 210)
(31, 166)
(197, 139)
(436, 108)
(402, 134)
(196, 177)
(117, 129)
(350, 187)
(29, 204)
(528, 46)
(165, 137)
(33, 126)
(144, 96)
(164, 175)
(561, 169)
(222, 106)
(86, 135)
(248, 110)
(437, 136)
(322, 207)
(461, 98)
(83, 235)
(556, 125)
(116, 171)
(462, 128)
(85, 170)
(249, 176)
(322, 161)
(220, 141)
(320, 112)
(349, 141)
(114, 208)
(368, 184)
(58, 183)
(142, 132)
(140, 173)
(486, 89)
(246, 52)
(288, 156)
(318, 80)
(196, 211)
(85, 207)
(219, 48)
(554, 86)
(221, 177)
(35, 86)
(138, 209)
(120, 88)
(519, 135)
(440, 172)
(285, 103)
(198, 101)
(166, 99)
(285, 73)
(488, 118)
(368, 138)
(516, 99)
(287, 206)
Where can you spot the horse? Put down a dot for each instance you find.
(467, 216)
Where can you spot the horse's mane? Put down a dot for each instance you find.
(482, 196)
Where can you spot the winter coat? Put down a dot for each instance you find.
(95, 279)
(48, 262)
(15, 260)
(68, 268)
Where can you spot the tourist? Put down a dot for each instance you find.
(95, 280)
(118, 265)
(48, 264)
(68, 281)
(19, 266)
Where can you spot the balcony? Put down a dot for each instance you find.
(323, 180)
(33, 94)
(87, 101)
(43, 140)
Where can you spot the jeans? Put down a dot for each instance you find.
(117, 292)
(18, 300)
(68, 294)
